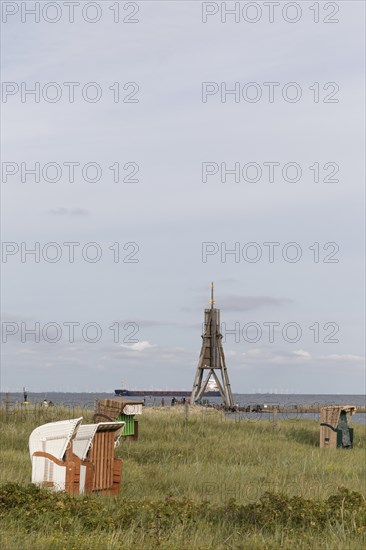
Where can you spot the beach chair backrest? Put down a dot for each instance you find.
(83, 440)
(54, 437)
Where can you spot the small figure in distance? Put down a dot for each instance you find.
(45, 403)
(162, 401)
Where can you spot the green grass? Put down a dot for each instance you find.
(210, 483)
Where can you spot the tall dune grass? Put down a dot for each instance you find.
(194, 483)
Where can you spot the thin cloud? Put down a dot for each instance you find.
(344, 357)
(249, 303)
(239, 303)
(277, 358)
(302, 353)
(69, 212)
(151, 323)
(140, 346)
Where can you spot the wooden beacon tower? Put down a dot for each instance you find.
(212, 358)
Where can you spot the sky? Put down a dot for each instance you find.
(173, 167)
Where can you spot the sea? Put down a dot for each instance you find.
(87, 400)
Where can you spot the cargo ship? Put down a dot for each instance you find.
(162, 393)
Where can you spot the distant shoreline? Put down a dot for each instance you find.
(19, 392)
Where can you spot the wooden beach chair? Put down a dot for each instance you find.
(53, 463)
(94, 444)
(120, 409)
(334, 429)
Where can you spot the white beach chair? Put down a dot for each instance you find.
(50, 452)
(77, 458)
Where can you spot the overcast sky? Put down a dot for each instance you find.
(158, 289)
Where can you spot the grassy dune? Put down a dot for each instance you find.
(208, 483)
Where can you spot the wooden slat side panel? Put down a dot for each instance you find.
(117, 475)
(103, 462)
(101, 459)
(94, 459)
(328, 438)
(104, 473)
(111, 459)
